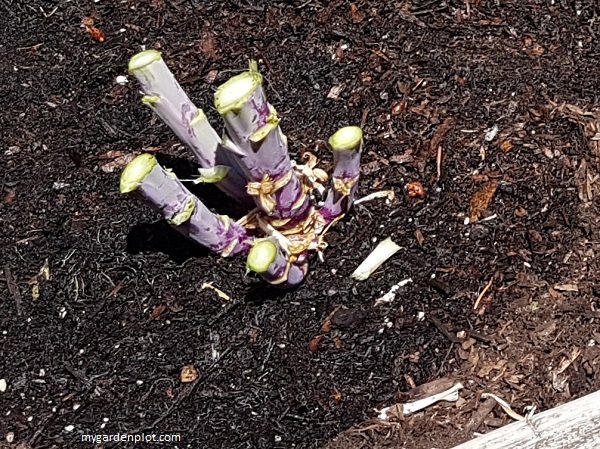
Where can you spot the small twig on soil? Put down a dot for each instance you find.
(363, 120)
(439, 371)
(31, 48)
(267, 355)
(13, 288)
(44, 425)
(304, 4)
(111, 295)
(480, 414)
(478, 336)
(50, 14)
(449, 335)
(230, 308)
(438, 161)
(505, 406)
(483, 292)
(76, 374)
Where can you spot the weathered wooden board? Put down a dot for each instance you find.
(574, 425)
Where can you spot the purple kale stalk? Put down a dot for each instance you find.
(259, 146)
(164, 95)
(250, 163)
(161, 190)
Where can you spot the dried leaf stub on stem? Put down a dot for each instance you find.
(251, 160)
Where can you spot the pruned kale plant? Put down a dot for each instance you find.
(250, 164)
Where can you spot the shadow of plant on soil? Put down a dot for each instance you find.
(160, 237)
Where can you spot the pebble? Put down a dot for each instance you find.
(10, 437)
(3, 385)
(492, 133)
(70, 428)
(57, 186)
(12, 150)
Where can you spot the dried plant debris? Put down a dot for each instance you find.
(382, 252)
(188, 374)
(399, 410)
(481, 200)
(507, 408)
(391, 294)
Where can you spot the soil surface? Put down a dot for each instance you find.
(492, 106)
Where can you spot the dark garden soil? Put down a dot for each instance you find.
(493, 106)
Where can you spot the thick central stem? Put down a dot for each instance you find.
(261, 149)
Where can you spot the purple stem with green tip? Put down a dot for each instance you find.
(346, 171)
(259, 146)
(166, 194)
(168, 100)
(280, 272)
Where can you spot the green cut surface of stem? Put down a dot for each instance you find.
(143, 59)
(136, 171)
(233, 94)
(347, 138)
(261, 256)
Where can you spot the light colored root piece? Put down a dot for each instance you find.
(509, 411)
(389, 195)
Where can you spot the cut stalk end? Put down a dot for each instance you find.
(347, 138)
(143, 59)
(261, 256)
(136, 171)
(233, 94)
